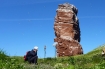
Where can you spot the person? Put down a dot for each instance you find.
(32, 55)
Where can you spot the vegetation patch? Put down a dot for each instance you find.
(91, 60)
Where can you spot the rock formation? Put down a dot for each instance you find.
(67, 31)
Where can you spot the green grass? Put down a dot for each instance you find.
(91, 60)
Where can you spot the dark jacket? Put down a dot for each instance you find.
(31, 54)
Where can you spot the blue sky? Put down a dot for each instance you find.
(28, 23)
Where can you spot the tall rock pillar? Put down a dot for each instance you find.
(67, 31)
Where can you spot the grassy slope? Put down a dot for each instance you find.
(91, 60)
(98, 50)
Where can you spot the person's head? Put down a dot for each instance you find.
(35, 48)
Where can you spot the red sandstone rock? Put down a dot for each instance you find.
(67, 31)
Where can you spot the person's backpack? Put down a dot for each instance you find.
(25, 56)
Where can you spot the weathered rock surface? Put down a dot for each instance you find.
(67, 31)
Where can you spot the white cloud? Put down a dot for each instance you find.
(55, 43)
(91, 17)
(26, 19)
(20, 2)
